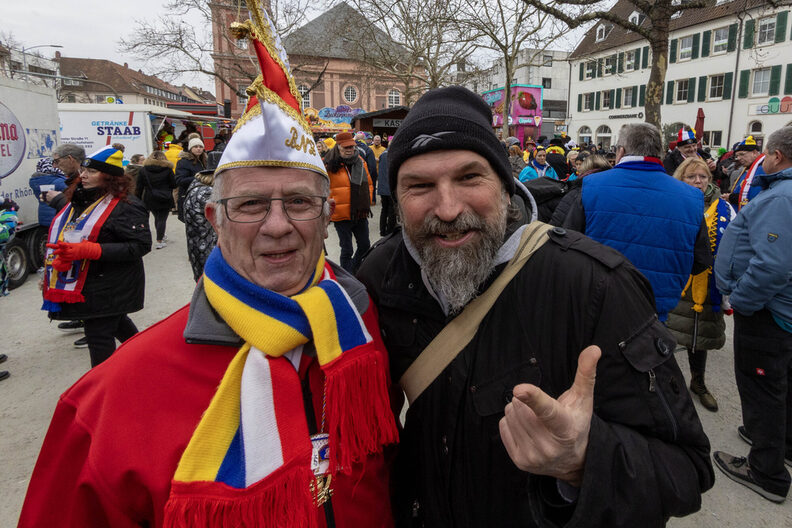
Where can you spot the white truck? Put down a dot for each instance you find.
(136, 126)
(28, 132)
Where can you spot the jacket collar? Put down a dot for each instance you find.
(766, 180)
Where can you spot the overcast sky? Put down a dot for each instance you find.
(85, 28)
(92, 29)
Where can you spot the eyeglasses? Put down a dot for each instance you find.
(692, 177)
(251, 209)
(55, 161)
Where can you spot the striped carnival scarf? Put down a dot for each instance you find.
(66, 286)
(250, 459)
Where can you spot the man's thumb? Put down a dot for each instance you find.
(586, 373)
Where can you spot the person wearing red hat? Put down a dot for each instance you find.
(265, 401)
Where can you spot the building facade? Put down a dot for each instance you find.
(732, 61)
(546, 68)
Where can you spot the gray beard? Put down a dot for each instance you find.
(457, 273)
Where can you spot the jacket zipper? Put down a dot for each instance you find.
(655, 387)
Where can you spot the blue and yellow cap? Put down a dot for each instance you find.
(108, 160)
(746, 145)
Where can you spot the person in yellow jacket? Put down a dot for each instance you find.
(351, 188)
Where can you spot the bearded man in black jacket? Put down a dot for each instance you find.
(567, 406)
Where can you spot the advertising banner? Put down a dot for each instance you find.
(526, 105)
(12, 141)
(94, 130)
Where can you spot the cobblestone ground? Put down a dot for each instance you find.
(43, 364)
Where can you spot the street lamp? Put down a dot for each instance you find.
(24, 56)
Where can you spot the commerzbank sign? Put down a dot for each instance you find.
(774, 105)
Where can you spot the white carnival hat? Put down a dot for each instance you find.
(273, 131)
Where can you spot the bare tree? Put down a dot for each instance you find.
(654, 28)
(175, 46)
(418, 41)
(506, 27)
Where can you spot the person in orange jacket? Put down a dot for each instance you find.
(351, 188)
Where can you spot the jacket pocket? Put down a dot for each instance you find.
(491, 395)
(649, 351)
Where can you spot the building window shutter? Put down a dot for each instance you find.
(695, 50)
(672, 54)
(618, 97)
(612, 99)
(591, 103)
(781, 23)
(705, 43)
(580, 102)
(788, 80)
(645, 57)
(582, 73)
(634, 96)
(670, 92)
(748, 38)
(597, 103)
(702, 94)
(728, 80)
(775, 80)
(745, 79)
(621, 62)
(599, 67)
(692, 89)
(642, 96)
(732, 45)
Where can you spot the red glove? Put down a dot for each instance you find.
(61, 265)
(728, 311)
(77, 251)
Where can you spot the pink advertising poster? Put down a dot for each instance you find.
(526, 108)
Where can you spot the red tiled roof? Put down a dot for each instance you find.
(124, 80)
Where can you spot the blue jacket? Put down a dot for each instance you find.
(754, 264)
(383, 183)
(651, 218)
(46, 212)
(530, 173)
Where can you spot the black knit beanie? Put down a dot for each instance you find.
(452, 118)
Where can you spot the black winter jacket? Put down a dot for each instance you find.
(155, 175)
(116, 282)
(647, 457)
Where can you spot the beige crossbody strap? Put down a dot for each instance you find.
(460, 331)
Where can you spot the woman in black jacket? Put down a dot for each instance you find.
(191, 162)
(155, 184)
(94, 264)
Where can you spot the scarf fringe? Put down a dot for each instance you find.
(284, 501)
(360, 420)
(63, 296)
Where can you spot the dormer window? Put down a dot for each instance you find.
(602, 32)
(637, 18)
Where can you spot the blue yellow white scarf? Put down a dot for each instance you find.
(66, 286)
(249, 461)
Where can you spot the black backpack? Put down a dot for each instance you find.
(548, 192)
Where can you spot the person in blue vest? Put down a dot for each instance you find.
(745, 189)
(651, 218)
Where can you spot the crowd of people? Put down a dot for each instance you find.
(527, 305)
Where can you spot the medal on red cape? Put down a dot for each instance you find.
(320, 463)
